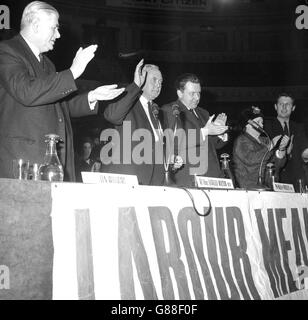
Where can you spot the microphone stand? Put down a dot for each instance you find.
(260, 185)
(175, 113)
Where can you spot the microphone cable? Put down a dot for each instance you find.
(193, 201)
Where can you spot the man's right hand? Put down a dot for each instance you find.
(139, 76)
(81, 60)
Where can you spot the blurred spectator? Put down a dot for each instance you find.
(84, 162)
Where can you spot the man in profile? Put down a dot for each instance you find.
(136, 122)
(35, 99)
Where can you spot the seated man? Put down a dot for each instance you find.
(252, 151)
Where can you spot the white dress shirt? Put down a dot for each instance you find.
(144, 103)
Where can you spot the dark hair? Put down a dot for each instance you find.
(285, 94)
(249, 114)
(84, 140)
(181, 80)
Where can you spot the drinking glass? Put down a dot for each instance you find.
(20, 169)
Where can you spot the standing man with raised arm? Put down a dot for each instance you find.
(35, 99)
(133, 118)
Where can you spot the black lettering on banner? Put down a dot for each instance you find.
(271, 255)
(160, 215)
(221, 233)
(285, 247)
(130, 244)
(299, 244)
(212, 254)
(84, 256)
(234, 216)
(185, 215)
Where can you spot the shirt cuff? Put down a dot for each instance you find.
(223, 137)
(92, 105)
(204, 132)
(278, 155)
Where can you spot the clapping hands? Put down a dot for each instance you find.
(221, 119)
(217, 127)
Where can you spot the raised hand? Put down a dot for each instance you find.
(81, 60)
(284, 143)
(275, 140)
(139, 76)
(107, 92)
(214, 129)
(221, 119)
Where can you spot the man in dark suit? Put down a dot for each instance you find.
(297, 152)
(35, 99)
(197, 136)
(137, 142)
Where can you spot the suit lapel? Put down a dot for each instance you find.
(27, 52)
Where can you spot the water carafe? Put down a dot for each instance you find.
(51, 169)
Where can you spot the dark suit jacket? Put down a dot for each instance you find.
(293, 169)
(187, 147)
(128, 112)
(35, 100)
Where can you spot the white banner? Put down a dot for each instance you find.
(119, 242)
(170, 5)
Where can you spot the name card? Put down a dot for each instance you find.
(109, 178)
(215, 183)
(283, 187)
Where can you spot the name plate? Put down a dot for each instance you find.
(283, 187)
(215, 183)
(109, 178)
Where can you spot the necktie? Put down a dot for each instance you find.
(41, 60)
(153, 119)
(193, 111)
(286, 129)
(195, 114)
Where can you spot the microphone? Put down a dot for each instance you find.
(175, 110)
(257, 126)
(260, 183)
